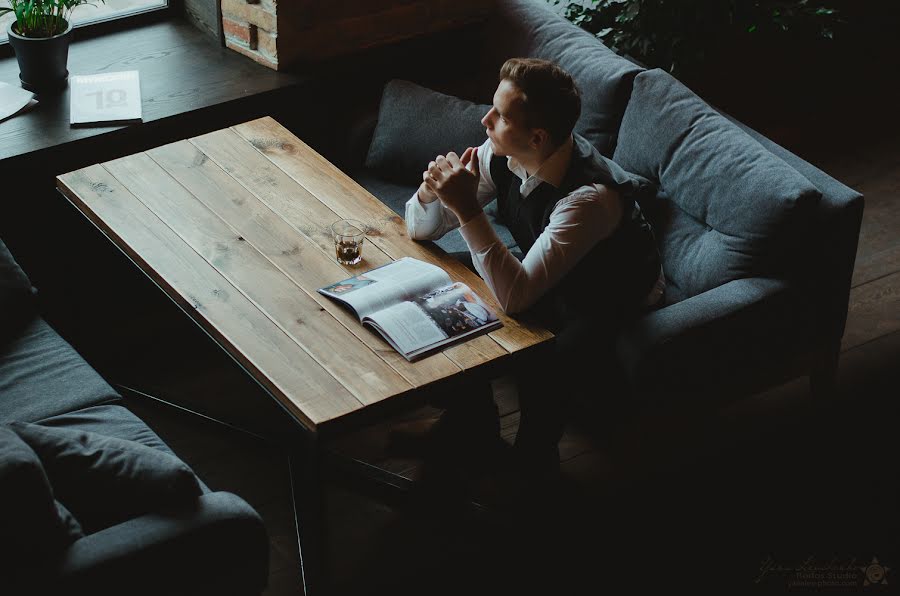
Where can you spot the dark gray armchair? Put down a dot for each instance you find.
(92, 501)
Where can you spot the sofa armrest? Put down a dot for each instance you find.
(219, 547)
(703, 343)
(836, 227)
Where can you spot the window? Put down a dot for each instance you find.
(94, 13)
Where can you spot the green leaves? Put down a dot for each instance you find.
(679, 34)
(42, 18)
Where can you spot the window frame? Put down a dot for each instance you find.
(112, 23)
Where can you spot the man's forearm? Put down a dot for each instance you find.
(467, 213)
(427, 220)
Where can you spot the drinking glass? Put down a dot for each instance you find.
(348, 240)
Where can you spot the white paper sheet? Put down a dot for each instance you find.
(13, 100)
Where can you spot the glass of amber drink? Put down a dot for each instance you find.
(348, 240)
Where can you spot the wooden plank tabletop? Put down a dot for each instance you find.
(234, 226)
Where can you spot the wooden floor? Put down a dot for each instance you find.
(769, 476)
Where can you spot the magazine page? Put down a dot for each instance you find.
(435, 319)
(390, 284)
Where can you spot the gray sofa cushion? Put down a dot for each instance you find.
(11, 275)
(30, 522)
(529, 28)
(42, 375)
(731, 209)
(15, 294)
(106, 480)
(71, 525)
(392, 194)
(220, 546)
(716, 344)
(415, 124)
(112, 420)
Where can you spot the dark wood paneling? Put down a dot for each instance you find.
(206, 15)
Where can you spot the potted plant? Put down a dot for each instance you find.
(40, 36)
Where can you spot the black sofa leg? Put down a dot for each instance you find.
(823, 375)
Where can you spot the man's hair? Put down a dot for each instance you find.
(552, 101)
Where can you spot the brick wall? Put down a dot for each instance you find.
(279, 33)
(251, 28)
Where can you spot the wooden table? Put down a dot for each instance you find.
(234, 227)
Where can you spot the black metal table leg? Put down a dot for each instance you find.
(307, 489)
(308, 497)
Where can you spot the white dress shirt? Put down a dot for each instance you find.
(586, 216)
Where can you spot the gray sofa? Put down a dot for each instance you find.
(151, 526)
(758, 245)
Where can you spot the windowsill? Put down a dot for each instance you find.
(186, 80)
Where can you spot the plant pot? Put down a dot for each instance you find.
(42, 60)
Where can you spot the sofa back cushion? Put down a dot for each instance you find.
(730, 208)
(15, 293)
(29, 516)
(415, 124)
(531, 29)
(11, 275)
(105, 480)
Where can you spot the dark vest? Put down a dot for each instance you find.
(618, 272)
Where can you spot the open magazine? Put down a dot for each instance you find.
(414, 306)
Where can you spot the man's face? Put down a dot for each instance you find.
(505, 122)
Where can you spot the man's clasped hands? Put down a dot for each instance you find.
(453, 180)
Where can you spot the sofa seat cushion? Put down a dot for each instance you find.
(396, 195)
(392, 194)
(525, 28)
(741, 211)
(42, 375)
(33, 526)
(718, 345)
(106, 480)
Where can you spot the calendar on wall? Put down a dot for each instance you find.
(108, 98)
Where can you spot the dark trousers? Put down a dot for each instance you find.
(580, 361)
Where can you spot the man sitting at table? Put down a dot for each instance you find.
(590, 257)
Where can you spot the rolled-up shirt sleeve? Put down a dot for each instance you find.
(577, 223)
(429, 221)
